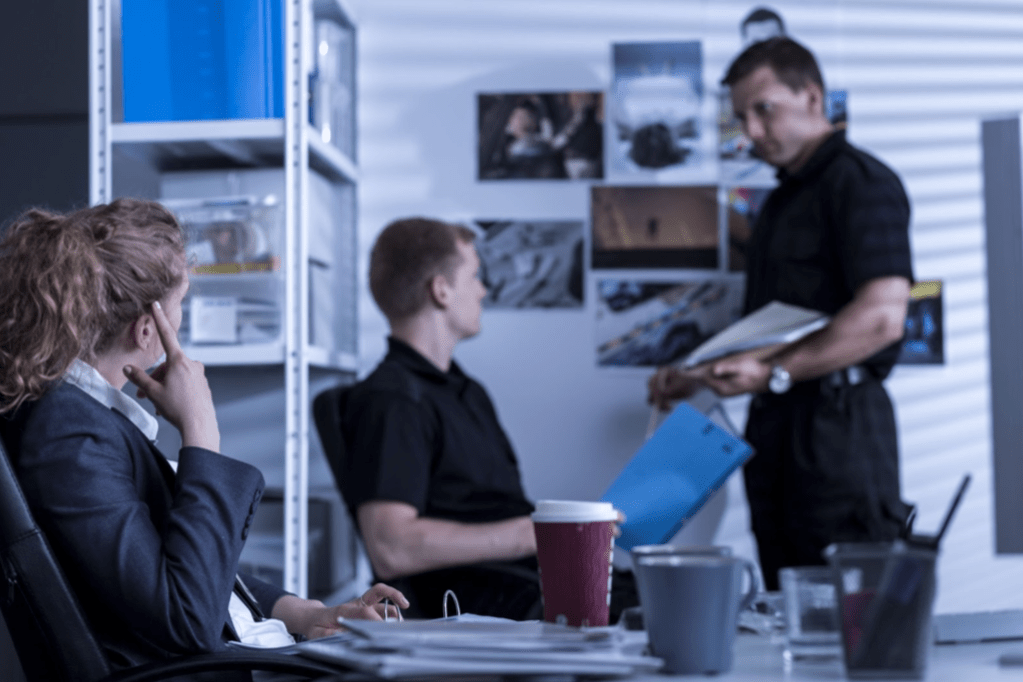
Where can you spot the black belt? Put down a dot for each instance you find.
(847, 376)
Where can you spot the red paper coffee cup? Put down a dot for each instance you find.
(574, 541)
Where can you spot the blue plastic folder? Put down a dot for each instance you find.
(672, 476)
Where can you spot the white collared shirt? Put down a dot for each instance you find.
(88, 378)
(267, 633)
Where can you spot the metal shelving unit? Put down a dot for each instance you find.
(291, 144)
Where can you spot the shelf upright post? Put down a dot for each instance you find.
(100, 66)
(296, 314)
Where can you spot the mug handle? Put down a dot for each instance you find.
(754, 585)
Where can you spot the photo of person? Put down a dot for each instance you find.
(531, 263)
(541, 136)
(924, 343)
(648, 324)
(658, 102)
(760, 24)
(743, 205)
(655, 227)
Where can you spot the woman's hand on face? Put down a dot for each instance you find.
(179, 390)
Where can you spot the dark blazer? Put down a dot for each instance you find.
(151, 555)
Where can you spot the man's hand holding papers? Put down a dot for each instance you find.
(730, 375)
(738, 359)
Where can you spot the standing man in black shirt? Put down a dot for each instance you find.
(833, 236)
(432, 479)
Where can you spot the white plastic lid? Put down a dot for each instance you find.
(570, 511)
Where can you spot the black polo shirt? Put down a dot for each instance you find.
(431, 439)
(840, 220)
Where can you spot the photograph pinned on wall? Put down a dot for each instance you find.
(655, 227)
(653, 323)
(541, 136)
(759, 24)
(743, 206)
(836, 108)
(657, 123)
(924, 343)
(531, 263)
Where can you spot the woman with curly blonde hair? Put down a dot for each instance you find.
(89, 300)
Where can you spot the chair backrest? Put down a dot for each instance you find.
(53, 639)
(328, 407)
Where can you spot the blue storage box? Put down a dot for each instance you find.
(188, 60)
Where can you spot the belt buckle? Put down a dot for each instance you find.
(847, 376)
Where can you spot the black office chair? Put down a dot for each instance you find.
(328, 407)
(51, 634)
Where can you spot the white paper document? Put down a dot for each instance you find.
(471, 645)
(775, 323)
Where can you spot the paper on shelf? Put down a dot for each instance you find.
(213, 319)
(775, 323)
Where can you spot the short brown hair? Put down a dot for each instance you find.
(793, 64)
(407, 255)
(69, 284)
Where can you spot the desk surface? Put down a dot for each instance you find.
(758, 658)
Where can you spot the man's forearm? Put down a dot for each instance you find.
(871, 321)
(415, 545)
(860, 329)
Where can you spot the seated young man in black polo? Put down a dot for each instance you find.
(431, 478)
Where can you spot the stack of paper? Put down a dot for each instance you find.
(473, 645)
(775, 323)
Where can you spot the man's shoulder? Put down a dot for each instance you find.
(858, 165)
(391, 378)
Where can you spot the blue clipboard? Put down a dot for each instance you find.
(672, 475)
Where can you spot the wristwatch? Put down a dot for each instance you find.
(780, 380)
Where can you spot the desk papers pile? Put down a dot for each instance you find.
(475, 645)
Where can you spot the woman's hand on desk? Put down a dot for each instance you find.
(313, 619)
(371, 606)
(179, 390)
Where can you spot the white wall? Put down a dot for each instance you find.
(920, 77)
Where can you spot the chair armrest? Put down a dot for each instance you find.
(223, 661)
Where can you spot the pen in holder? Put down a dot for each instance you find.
(886, 593)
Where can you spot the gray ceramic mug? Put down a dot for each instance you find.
(632, 618)
(691, 607)
(680, 550)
